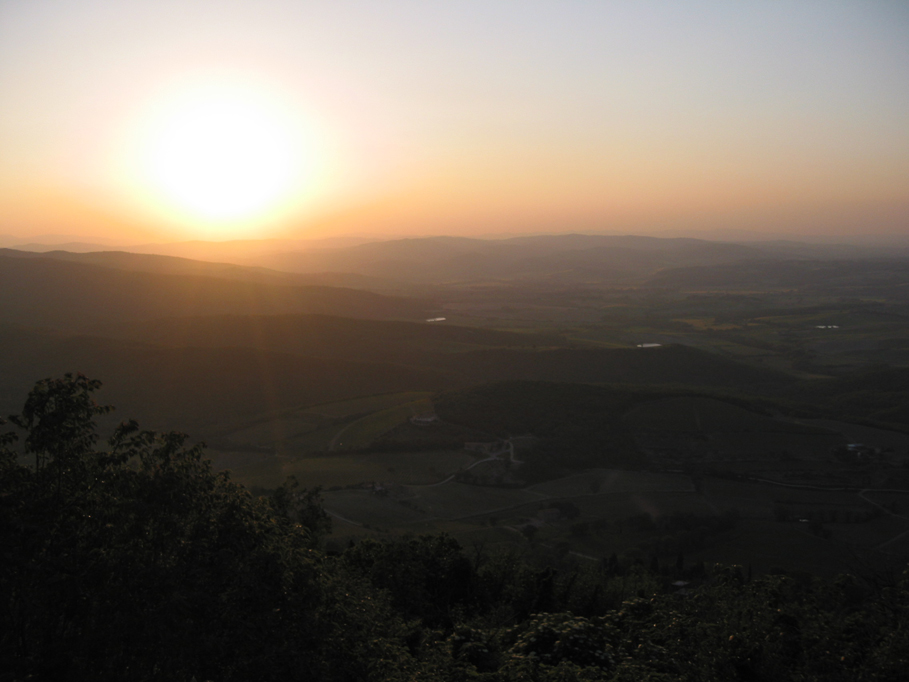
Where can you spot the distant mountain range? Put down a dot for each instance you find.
(196, 344)
(455, 259)
(58, 291)
(398, 265)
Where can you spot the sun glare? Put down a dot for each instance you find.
(223, 154)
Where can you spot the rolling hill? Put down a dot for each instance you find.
(675, 364)
(476, 355)
(457, 259)
(327, 336)
(200, 390)
(49, 292)
(175, 265)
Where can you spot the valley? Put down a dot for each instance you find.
(572, 397)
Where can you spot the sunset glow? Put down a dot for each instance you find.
(276, 118)
(219, 156)
(223, 157)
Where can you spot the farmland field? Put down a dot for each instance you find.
(364, 431)
(374, 403)
(612, 480)
(653, 504)
(702, 415)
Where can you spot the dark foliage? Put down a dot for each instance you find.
(135, 562)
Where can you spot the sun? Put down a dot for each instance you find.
(224, 153)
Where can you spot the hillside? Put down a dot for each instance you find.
(477, 355)
(200, 390)
(330, 336)
(581, 426)
(674, 364)
(174, 265)
(458, 259)
(578, 426)
(879, 394)
(78, 296)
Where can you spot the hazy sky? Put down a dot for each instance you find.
(451, 117)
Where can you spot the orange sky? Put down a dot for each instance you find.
(463, 118)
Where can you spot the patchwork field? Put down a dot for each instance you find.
(380, 474)
(612, 481)
(346, 408)
(317, 428)
(694, 414)
(644, 515)
(364, 431)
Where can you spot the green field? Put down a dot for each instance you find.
(704, 415)
(316, 428)
(628, 512)
(612, 480)
(374, 403)
(654, 504)
(363, 432)
(614, 518)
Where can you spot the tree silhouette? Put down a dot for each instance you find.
(137, 561)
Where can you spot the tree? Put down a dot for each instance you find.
(427, 577)
(137, 561)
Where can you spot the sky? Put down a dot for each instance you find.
(142, 121)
